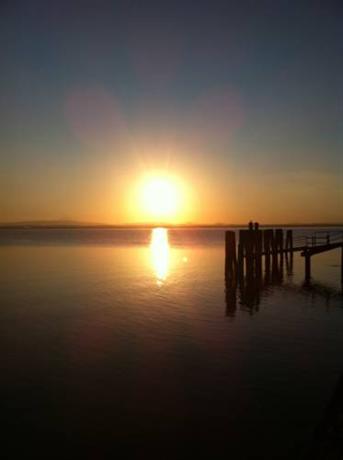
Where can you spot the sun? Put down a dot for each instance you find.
(160, 197)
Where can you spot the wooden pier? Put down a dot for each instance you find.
(245, 258)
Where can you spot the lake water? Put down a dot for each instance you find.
(129, 339)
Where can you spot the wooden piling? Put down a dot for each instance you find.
(289, 241)
(280, 245)
(267, 247)
(258, 251)
(249, 236)
(230, 254)
(279, 240)
(274, 251)
(241, 249)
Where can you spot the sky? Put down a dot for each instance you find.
(240, 103)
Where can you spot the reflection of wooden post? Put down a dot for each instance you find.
(307, 266)
(289, 263)
(230, 254)
(231, 296)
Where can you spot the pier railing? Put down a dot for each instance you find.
(323, 238)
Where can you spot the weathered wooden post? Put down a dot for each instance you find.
(279, 239)
(267, 247)
(249, 252)
(289, 241)
(258, 252)
(241, 249)
(274, 251)
(289, 251)
(230, 255)
(280, 249)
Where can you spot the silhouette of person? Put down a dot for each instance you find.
(251, 225)
(256, 226)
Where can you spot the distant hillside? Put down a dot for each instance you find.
(50, 223)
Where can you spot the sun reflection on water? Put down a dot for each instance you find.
(160, 254)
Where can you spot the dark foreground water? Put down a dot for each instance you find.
(127, 344)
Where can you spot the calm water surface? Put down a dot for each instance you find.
(129, 339)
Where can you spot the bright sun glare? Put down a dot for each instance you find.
(159, 248)
(160, 197)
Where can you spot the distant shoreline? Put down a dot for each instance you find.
(55, 226)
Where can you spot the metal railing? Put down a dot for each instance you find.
(299, 240)
(323, 238)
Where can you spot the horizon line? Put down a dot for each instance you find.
(80, 224)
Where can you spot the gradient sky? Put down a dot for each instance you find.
(241, 100)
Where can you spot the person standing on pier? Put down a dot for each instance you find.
(253, 226)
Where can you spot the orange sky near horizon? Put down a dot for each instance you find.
(106, 195)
